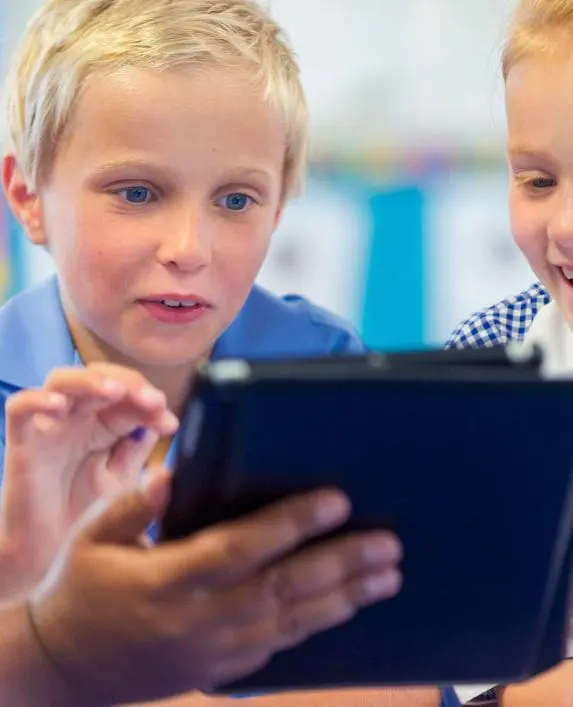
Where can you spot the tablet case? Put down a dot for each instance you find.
(467, 457)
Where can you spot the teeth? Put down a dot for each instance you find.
(177, 303)
(568, 272)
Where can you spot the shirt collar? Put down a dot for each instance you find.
(34, 336)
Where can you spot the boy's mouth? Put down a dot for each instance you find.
(175, 309)
(176, 304)
(175, 300)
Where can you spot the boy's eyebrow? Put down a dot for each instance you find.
(238, 172)
(124, 164)
(250, 172)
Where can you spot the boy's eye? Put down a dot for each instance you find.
(136, 195)
(236, 201)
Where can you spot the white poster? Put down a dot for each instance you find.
(320, 250)
(472, 259)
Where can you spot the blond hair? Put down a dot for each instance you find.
(538, 28)
(68, 41)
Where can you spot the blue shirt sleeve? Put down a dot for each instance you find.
(4, 393)
(347, 343)
(1, 462)
(449, 698)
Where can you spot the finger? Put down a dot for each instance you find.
(299, 621)
(21, 467)
(127, 459)
(231, 552)
(317, 570)
(124, 418)
(98, 385)
(314, 572)
(24, 405)
(139, 389)
(86, 484)
(125, 517)
(104, 475)
(296, 622)
(83, 382)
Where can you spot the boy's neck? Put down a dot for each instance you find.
(174, 381)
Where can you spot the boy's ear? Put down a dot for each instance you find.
(24, 203)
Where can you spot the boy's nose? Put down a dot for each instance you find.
(185, 243)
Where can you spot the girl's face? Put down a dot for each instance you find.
(539, 104)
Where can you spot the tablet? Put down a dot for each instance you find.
(466, 456)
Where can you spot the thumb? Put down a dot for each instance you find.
(123, 518)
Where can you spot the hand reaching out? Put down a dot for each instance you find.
(86, 434)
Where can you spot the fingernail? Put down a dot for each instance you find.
(138, 434)
(170, 420)
(151, 396)
(382, 585)
(332, 509)
(110, 385)
(57, 400)
(382, 550)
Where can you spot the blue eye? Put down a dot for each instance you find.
(136, 195)
(237, 202)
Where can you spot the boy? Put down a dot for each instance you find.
(151, 148)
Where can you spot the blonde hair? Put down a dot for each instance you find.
(538, 27)
(68, 41)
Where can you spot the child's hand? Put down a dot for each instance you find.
(87, 433)
(128, 624)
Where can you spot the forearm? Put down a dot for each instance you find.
(424, 697)
(554, 689)
(26, 675)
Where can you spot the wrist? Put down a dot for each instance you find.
(26, 675)
(11, 579)
(59, 675)
(17, 575)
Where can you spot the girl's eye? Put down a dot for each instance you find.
(542, 183)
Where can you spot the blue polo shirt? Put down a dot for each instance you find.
(35, 339)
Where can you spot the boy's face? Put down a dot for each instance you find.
(167, 187)
(539, 103)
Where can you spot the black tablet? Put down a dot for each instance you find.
(466, 455)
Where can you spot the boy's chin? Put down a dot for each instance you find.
(165, 356)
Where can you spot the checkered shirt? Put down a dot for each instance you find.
(508, 320)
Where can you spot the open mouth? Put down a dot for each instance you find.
(175, 311)
(567, 275)
(175, 304)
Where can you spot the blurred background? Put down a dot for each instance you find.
(403, 228)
